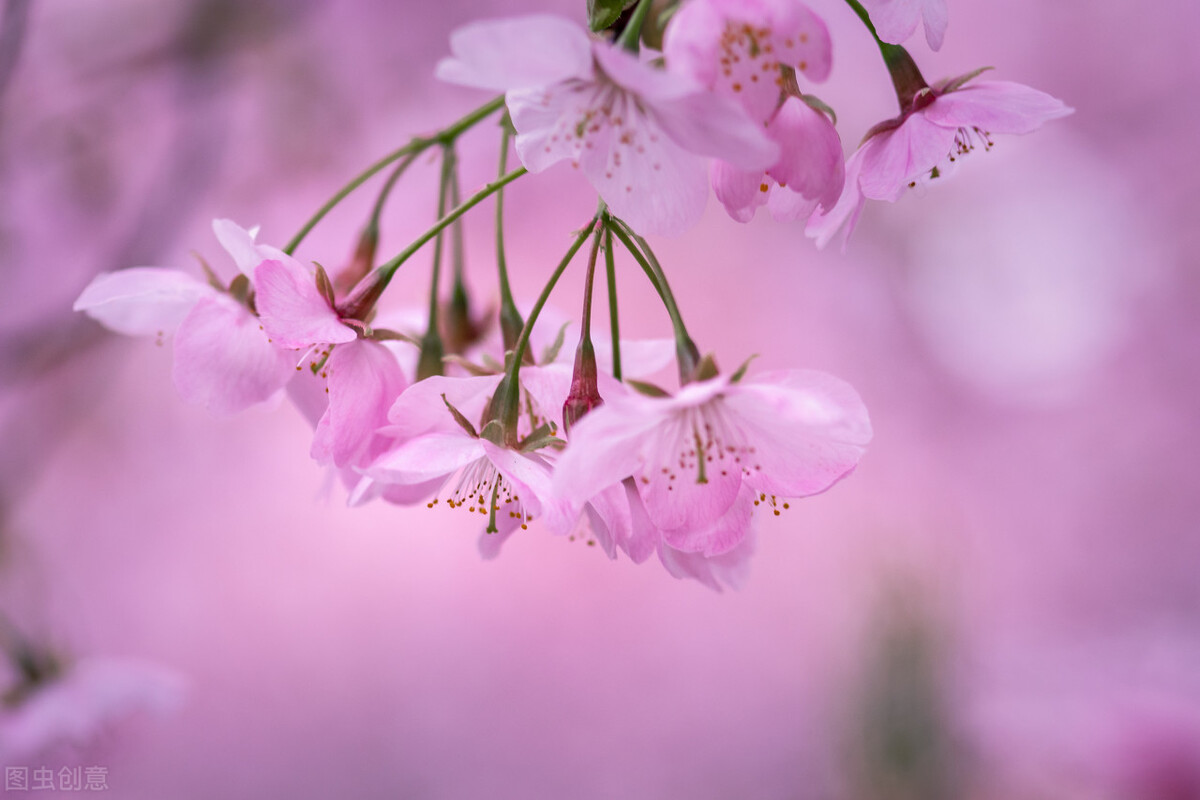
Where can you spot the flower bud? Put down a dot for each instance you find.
(585, 393)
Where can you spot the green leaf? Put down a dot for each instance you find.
(462, 421)
(542, 437)
(648, 389)
(817, 104)
(603, 13)
(471, 367)
(957, 83)
(239, 288)
(741, 371)
(389, 335)
(551, 352)
(324, 285)
(494, 433)
(706, 370)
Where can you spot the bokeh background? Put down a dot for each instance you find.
(1002, 603)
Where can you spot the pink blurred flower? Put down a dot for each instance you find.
(637, 132)
(943, 124)
(740, 50)
(74, 706)
(224, 360)
(789, 434)
(896, 20)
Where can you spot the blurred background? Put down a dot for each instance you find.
(1001, 603)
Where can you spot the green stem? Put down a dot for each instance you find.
(386, 191)
(633, 30)
(613, 316)
(686, 352)
(391, 266)
(585, 326)
(509, 389)
(415, 147)
(430, 362)
(510, 318)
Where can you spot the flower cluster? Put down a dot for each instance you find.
(436, 410)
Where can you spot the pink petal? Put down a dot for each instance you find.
(517, 53)
(293, 311)
(669, 483)
(364, 382)
(740, 191)
(896, 20)
(425, 458)
(223, 360)
(420, 408)
(996, 107)
(141, 301)
(603, 449)
(698, 120)
(810, 430)
(824, 225)
(490, 543)
(529, 474)
(727, 569)
(718, 537)
(810, 160)
(788, 206)
(239, 243)
(893, 159)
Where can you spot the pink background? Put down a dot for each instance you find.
(1008, 584)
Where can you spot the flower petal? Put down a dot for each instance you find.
(740, 191)
(141, 301)
(823, 225)
(517, 53)
(425, 458)
(293, 311)
(996, 107)
(364, 382)
(893, 159)
(223, 360)
(810, 160)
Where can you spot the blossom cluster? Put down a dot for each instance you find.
(494, 417)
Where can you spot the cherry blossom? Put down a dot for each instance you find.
(751, 53)
(788, 434)
(635, 131)
(224, 360)
(896, 20)
(943, 125)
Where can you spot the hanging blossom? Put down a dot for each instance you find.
(942, 125)
(896, 20)
(637, 132)
(363, 377)
(704, 458)
(752, 54)
(224, 359)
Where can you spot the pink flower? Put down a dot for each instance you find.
(635, 131)
(789, 434)
(224, 360)
(432, 445)
(927, 141)
(740, 50)
(896, 20)
(87, 697)
(363, 378)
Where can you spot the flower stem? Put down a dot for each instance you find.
(510, 318)
(686, 354)
(613, 316)
(508, 406)
(368, 291)
(633, 30)
(415, 147)
(432, 349)
(906, 78)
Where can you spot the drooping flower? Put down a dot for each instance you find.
(752, 53)
(943, 124)
(224, 360)
(896, 20)
(636, 132)
(788, 434)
